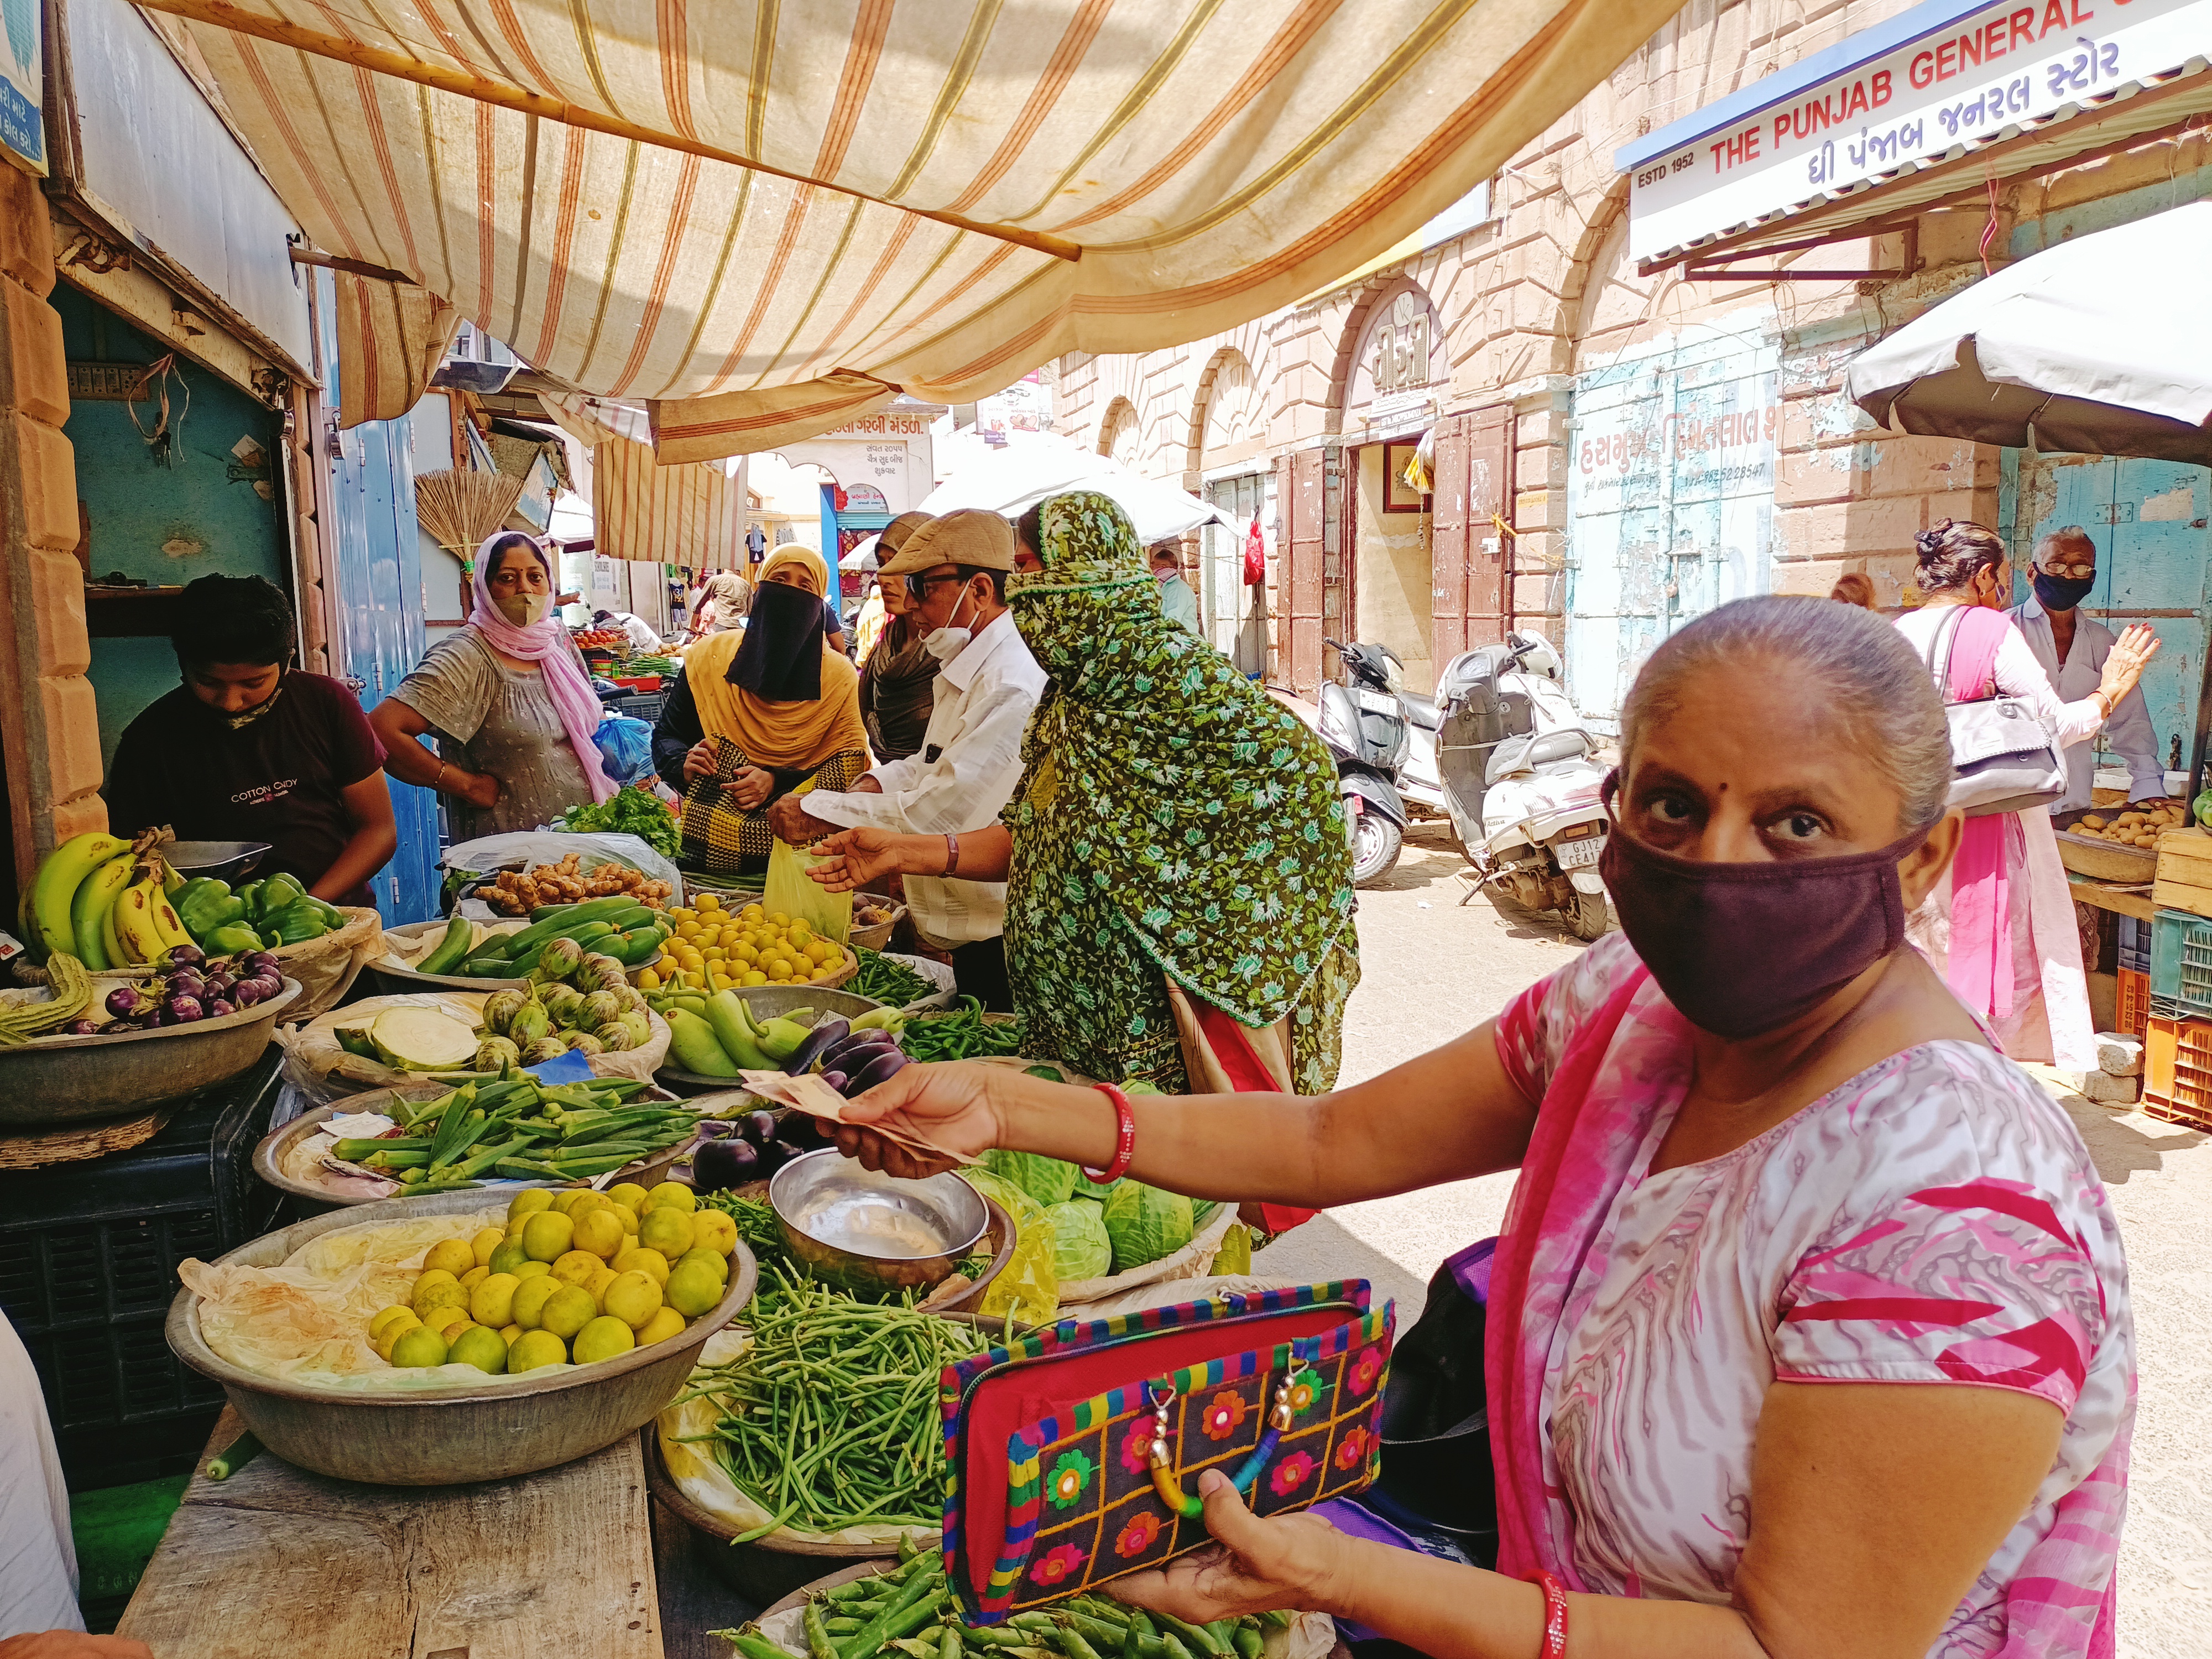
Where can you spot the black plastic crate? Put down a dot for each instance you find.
(88, 1255)
(640, 705)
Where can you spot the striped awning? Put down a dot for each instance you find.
(692, 514)
(758, 219)
(391, 338)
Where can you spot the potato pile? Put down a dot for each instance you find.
(2140, 825)
(515, 893)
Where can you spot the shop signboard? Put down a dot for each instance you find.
(1942, 77)
(22, 85)
(1670, 501)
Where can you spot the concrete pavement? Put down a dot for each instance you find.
(1431, 969)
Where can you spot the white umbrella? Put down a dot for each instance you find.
(2100, 346)
(1012, 480)
(862, 558)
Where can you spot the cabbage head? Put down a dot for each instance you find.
(1029, 1288)
(1145, 1224)
(1046, 1179)
(1080, 1248)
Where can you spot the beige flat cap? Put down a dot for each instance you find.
(894, 534)
(970, 537)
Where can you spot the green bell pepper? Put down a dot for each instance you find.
(296, 923)
(278, 894)
(204, 914)
(232, 940)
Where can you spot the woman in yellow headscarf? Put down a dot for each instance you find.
(757, 713)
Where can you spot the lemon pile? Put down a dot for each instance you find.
(713, 949)
(575, 1276)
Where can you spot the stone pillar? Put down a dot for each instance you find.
(49, 728)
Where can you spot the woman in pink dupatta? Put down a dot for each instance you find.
(1808, 1332)
(2000, 928)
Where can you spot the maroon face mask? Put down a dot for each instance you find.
(1740, 949)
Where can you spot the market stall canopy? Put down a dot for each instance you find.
(862, 558)
(2100, 346)
(765, 219)
(691, 515)
(1035, 465)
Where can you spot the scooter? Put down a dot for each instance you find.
(1376, 669)
(1365, 734)
(1521, 776)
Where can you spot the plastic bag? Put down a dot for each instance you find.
(625, 747)
(531, 847)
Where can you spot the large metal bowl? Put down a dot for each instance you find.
(446, 1436)
(221, 860)
(74, 1079)
(869, 1232)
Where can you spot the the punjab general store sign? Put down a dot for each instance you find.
(1931, 81)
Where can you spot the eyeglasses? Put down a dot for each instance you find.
(2072, 573)
(917, 587)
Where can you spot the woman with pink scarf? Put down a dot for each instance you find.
(509, 700)
(1809, 1331)
(2000, 926)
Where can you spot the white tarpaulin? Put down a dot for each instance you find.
(1033, 466)
(2100, 346)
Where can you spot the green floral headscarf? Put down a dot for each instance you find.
(1160, 781)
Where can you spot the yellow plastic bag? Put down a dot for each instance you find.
(1028, 1289)
(794, 893)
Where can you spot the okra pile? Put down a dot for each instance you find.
(519, 1128)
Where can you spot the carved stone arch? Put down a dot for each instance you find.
(1119, 431)
(1348, 346)
(1228, 372)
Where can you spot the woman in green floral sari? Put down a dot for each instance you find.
(1173, 827)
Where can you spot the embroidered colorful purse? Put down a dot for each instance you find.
(1075, 1452)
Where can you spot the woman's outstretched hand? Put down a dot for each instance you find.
(855, 857)
(948, 1105)
(2125, 664)
(1253, 1566)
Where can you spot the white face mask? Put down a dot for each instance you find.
(947, 642)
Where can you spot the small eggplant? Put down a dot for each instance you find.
(125, 1002)
(854, 1046)
(716, 1129)
(218, 1008)
(186, 956)
(759, 1127)
(183, 1011)
(717, 1166)
(261, 962)
(245, 992)
(82, 1028)
(219, 985)
(187, 984)
(819, 1041)
(835, 1080)
(880, 1070)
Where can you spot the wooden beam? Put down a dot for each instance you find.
(221, 15)
(301, 256)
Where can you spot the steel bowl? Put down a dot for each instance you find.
(221, 860)
(443, 1436)
(869, 1232)
(391, 978)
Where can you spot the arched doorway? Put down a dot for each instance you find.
(1398, 376)
(1118, 433)
(1230, 441)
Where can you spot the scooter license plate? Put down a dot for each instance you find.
(1374, 701)
(1574, 854)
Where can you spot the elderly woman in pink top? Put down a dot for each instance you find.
(2000, 926)
(1808, 1333)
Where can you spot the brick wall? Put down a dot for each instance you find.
(50, 735)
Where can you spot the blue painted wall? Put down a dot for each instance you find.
(206, 515)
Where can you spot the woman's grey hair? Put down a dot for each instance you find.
(1853, 663)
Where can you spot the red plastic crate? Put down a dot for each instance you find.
(2133, 1016)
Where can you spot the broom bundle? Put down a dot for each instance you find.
(461, 508)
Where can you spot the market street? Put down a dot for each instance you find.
(1429, 970)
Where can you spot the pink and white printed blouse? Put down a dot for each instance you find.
(1935, 1219)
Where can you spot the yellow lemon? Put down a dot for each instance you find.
(527, 1202)
(508, 1257)
(392, 1332)
(474, 1277)
(626, 1195)
(430, 1280)
(667, 1230)
(709, 902)
(713, 1264)
(778, 971)
(487, 1240)
(534, 1348)
(693, 1288)
(639, 1259)
(672, 1192)
(450, 1322)
(565, 1199)
(588, 1200)
(751, 913)
(379, 1321)
(481, 1348)
(574, 1267)
(603, 1339)
(530, 1269)
(567, 1311)
(712, 1230)
(663, 1325)
(528, 1307)
(601, 1232)
(634, 1298)
(492, 1303)
(779, 919)
(756, 977)
(453, 1256)
(647, 980)
(447, 1295)
(420, 1347)
(508, 1332)
(547, 1237)
(627, 1216)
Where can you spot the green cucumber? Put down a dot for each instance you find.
(450, 949)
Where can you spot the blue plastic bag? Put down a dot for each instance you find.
(625, 747)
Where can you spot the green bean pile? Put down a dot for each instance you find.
(884, 981)
(965, 1035)
(892, 1612)
(830, 1419)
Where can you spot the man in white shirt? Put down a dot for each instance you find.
(643, 638)
(1178, 603)
(2072, 648)
(955, 569)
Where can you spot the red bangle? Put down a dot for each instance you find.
(1555, 1615)
(1125, 1138)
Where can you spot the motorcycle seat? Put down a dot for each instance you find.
(1547, 748)
(1421, 710)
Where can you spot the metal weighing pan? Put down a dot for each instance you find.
(221, 860)
(388, 978)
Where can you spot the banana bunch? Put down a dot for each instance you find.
(98, 898)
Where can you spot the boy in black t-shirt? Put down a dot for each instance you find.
(251, 749)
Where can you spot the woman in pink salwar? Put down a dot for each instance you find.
(2000, 927)
(1808, 1332)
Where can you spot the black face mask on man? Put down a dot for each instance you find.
(2060, 592)
(1742, 949)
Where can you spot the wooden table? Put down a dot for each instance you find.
(276, 1563)
(2083, 891)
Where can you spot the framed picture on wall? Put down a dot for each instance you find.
(1398, 495)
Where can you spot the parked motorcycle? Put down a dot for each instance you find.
(1521, 778)
(1365, 732)
(1376, 669)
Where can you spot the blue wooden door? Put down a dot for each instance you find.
(376, 565)
(2149, 521)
